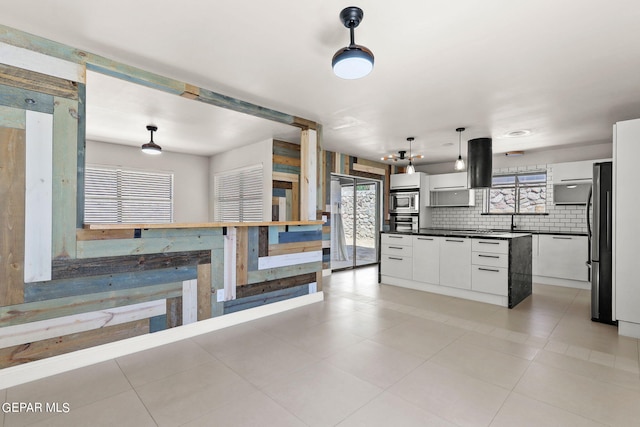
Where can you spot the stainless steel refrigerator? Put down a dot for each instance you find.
(600, 243)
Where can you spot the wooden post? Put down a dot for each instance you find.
(308, 174)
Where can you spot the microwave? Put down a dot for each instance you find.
(404, 202)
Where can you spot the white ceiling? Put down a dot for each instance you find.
(566, 70)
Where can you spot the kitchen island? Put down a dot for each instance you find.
(486, 266)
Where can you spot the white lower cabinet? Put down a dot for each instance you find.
(490, 266)
(396, 266)
(426, 263)
(563, 257)
(455, 262)
(396, 259)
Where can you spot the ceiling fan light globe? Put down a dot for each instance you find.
(151, 148)
(352, 62)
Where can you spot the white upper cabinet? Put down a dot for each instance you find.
(448, 181)
(572, 172)
(403, 181)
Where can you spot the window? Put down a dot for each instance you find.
(517, 193)
(117, 195)
(238, 195)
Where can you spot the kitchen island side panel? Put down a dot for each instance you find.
(520, 271)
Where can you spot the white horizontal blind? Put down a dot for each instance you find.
(116, 195)
(238, 195)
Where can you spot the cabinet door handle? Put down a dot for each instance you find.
(396, 247)
(489, 269)
(457, 241)
(576, 179)
(488, 256)
(423, 238)
(488, 243)
(395, 237)
(562, 238)
(395, 259)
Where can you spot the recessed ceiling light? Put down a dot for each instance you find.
(447, 144)
(518, 133)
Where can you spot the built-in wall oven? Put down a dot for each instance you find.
(404, 202)
(408, 223)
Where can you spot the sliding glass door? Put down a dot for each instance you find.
(355, 221)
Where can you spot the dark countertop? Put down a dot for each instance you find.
(493, 233)
(484, 234)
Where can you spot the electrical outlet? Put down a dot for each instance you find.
(220, 295)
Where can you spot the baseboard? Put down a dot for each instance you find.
(16, 375)
(554, 281)
(628, 329)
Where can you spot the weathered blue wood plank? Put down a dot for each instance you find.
(13, 97)
(286, 168)
(274, 231)
(301, 236)
(42, 291)
(82, 126)
(217, 281)
(266, 298)
(157, 323)
(133, 74)
(39, 44)
(279, 192)
(65, 173)
(117, 247)
(254, 247)
(224, 101)
(286, 152)
(297, 228)
(14, 118)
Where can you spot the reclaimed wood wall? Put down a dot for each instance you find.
(286, 181)
(90, 287)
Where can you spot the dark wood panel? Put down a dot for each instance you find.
(70, 268)
(263, 241)
(266, 298)
(283, 185)
(274, 285)
(174, 312)
(16, 355)
(12, 214)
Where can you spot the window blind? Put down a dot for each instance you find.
(238, 195)
(116, 195)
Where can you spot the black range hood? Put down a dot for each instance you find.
(480, 162)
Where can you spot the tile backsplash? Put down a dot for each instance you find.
(559, 218)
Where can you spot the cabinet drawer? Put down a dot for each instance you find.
(396, 266)
(492, 280)
(490, 245)
(393, 249)
(397, 239)
(490, 259)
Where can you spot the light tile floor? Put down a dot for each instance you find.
(369, 355)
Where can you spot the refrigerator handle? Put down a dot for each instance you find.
(589, 227)
(597, 201)
(608, 219)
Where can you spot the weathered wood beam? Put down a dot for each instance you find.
(38, 82)
(274, 285)
(72, 268)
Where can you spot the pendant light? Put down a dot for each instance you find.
(480, 159)
(151, 147)
(353, 61)
(410, 169)
(459, 165)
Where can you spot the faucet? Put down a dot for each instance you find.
(513, 222)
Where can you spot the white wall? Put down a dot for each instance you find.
(558, 155)
(249, 155)
(191, 175)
